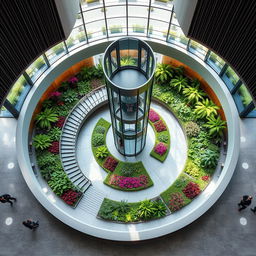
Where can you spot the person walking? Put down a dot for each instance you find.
(31, 224)
(253, 210)
(6, 198)
(245, 201)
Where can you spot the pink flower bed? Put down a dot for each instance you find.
(160, 126)
(73, 81)
(129, 182)
(160, 148)
(55, 94)
(153, 116)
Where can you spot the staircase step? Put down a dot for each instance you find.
(69, 163)
(85, 186)
(70, 167)
(74, 170)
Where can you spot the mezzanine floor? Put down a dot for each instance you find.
(221, 231)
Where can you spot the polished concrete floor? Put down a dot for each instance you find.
(221, 231)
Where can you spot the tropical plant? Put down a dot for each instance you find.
(209, 158)
(160, 209)
(215, 125)
(146, 210)
(179, 82)
(107, 208)
(100, 129)
(45, 118)
(97, 139)
(192, 129)
(123, 207)
(59, 182)
(179, 71)
(127, 61)
(42, 141)
(102, 152)
(193, 94)
(163, 72)
(55, 133)
(206, 108)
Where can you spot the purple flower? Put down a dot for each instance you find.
(160, 148)
(153, 116)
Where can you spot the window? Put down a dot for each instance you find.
(215, 62)
(55, 52)
(230, 78)
(18, 93)
(197, 49)
(36, 68)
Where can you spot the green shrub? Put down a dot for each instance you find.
(97, 140)
(209, 159)
(59, 182)
(181, 181)
(192, 170)
(100, 129)
(83, 88)
(55, 133)
(192, 129)
(42, 141)
(45, 118)
(69, 96)
(184, 112)
(46, 159)
(102, 152)
(163, 138)
(129, 170)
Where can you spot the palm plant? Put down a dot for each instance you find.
(42, 141)
(215, 125)
(127, 61)
(179, 82)
(146, 210)
(194, 93)
(45, 118)
(163, 72)
(102, 152)
(205, 109)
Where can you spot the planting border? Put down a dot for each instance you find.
(106, 125)
(168, 144)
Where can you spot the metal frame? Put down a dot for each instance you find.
(103, 6)
(126, 137)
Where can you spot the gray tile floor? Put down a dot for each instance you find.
(218, 232)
